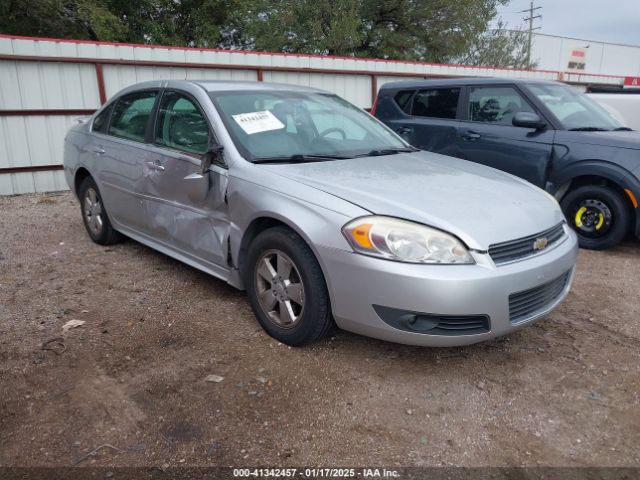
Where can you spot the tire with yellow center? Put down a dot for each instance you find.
(599, 215)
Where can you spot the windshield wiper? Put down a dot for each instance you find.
(300, 158)
(623, 129)
(387, 151)
(589, 129)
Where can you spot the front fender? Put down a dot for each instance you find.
(319, 226)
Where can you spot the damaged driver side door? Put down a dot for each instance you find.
(186, 183)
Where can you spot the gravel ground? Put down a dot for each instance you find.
(563, 392)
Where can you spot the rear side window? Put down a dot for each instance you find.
(181, 125)
(497, 105)
(436, 103)
(402, 98)
(100, 122)
(131, 115)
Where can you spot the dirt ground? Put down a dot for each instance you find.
(563, 392)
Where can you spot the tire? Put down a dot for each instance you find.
(307, 316)
(94, 215)
(598, 214)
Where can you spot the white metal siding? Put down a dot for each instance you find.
(552, 53)
(37, 85)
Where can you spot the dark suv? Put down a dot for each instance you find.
(545, 132)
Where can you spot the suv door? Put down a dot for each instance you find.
(186, 209)
(431, 123)
(487, 135)
(120, 154)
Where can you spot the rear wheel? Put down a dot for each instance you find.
(286, 288)
(598, 214)
(94, 215)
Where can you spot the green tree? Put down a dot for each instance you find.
(302, 26)
(170, 22)
(499, 47)
(442, 31)
(425, 30)
(79, 19)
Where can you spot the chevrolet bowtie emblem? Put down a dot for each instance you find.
(540, 243)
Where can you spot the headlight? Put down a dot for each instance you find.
(404, 241)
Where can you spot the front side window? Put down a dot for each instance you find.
(268, 124)
(131, 115)
(574, 110)
(181, 125)
(497, 105)
(100, 122)
(436, 103)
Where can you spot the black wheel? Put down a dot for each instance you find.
(598, 214)
(286, 288)
(94, 215)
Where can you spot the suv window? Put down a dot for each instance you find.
(100, 122)
(181, 125)
(131, 115)
(497, 105)
(436, 103)
(402, 98)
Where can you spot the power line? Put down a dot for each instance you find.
(531, 11)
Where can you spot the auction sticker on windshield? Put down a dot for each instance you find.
(257, 122)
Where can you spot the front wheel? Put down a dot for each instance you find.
(286, 288)
(598, 214)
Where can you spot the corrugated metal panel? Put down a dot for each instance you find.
(45, 85)
(355, 88)
(34, 85)
(586, 78)
(31, 141)
(117, 77)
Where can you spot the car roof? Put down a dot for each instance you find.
(223, 85)
(461, 81)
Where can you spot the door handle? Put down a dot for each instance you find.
(98, 150)
(404, 130)
(471, 135)
(155, 165)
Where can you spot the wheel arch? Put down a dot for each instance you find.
(602, 173)
(264, 222)
(80, 174)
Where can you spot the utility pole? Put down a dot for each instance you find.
(530, 19)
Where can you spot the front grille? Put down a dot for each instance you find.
(433, 324)
(523, 247)
(527, 303)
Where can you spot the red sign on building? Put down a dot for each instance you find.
(632, 81)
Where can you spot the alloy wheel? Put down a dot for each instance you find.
(279, 288)
(93, 211)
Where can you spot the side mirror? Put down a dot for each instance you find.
(528, 120)
(213, 155)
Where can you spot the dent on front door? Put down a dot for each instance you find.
(187, 209)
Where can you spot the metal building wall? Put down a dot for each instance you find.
(46, 83)
(553, 52)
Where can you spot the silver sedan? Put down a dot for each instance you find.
(323, 214)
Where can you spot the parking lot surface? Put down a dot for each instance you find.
(564, 391)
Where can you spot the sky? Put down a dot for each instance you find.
(612, 21)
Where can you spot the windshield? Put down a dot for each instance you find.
(297, 126)
(574, 110)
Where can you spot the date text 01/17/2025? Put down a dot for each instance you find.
(315, 473)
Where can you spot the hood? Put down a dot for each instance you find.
(622, 139)
(478, 204)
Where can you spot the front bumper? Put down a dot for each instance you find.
(357, 283)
